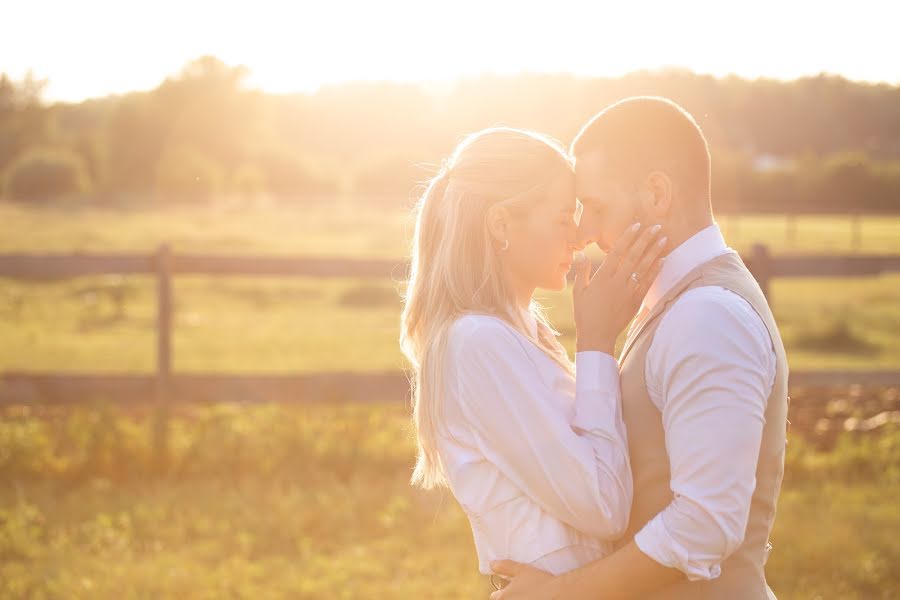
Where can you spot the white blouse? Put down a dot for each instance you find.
(537, 459)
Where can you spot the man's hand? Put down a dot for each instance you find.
(526, 583)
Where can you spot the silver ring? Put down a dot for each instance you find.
(634, 278)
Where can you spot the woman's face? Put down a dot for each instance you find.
(543, 237)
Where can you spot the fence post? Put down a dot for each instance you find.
(762, 268)
(163, 355)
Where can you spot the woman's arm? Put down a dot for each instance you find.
(577, 471)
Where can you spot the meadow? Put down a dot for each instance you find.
(340, 226)
(264, 324)
(312, 500)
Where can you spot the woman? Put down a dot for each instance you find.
(536, 457)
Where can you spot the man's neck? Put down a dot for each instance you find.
(681, 233)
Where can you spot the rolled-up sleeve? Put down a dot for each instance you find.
(710, 369)
(578, 471)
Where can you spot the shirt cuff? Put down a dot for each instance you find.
(655, 541)
(596, 390)
(595, 370)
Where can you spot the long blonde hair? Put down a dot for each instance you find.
(455, 269)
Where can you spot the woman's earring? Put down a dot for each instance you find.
(505, 246)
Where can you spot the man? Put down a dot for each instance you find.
(703, 375)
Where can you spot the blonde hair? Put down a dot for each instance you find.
(455, 269)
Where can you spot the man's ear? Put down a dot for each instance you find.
(656, 195)
(498, 223)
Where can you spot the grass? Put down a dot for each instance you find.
(813, 234)
(312, 501)
(249, 324)
(331, 227)
(275, 501)
(340, 227)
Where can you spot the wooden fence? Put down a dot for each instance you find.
(164, 386)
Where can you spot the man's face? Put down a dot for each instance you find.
(608, 205)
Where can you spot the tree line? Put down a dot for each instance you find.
(816, 144)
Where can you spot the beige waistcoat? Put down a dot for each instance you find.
(743, 575)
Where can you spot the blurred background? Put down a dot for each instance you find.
(204, 215)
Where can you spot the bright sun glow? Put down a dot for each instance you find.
(96, 47)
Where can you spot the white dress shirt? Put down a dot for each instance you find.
(537, 459)
(712, 391)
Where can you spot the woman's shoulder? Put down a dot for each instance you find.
(481, 332)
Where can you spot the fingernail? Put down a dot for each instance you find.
(636, 226)
(656, 229)
(663, 241)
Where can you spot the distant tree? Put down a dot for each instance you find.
(46, 174)
(370, 137)
(247, 181)
(186, 174)
(394, 177)
(288, 174)
(23, 117)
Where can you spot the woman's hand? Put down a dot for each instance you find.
(608, 301)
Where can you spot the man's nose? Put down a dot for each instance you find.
(582, 238)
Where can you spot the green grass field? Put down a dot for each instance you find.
(313, 501)
(251, 324)
(303, 325)
(338, 227)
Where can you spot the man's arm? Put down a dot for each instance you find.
(710, 369)
(627, 573)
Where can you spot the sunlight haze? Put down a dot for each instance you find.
(97, 47)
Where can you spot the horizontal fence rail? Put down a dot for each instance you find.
(17, 387)
(51, 266)
(58, 266)
(163, 388)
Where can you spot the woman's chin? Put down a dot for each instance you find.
(557, 285)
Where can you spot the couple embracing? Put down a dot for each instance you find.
(651, 475)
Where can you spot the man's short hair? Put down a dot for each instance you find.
(645, 133)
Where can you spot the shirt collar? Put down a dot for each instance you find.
(701, 247)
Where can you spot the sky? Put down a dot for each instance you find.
(92, 48)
